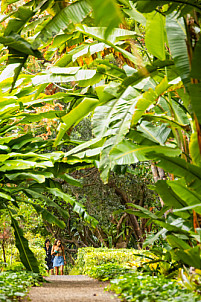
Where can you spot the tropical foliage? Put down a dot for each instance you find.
(137, 69)
(90, 261)
(15, 286)
(124, 268)
(140, 287)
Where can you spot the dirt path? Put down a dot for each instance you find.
(71, 289)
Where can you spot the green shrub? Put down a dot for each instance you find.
(107, 271)
(15, 285)
(16, 264)
(138, 287)
(89, 258)
(74, 271)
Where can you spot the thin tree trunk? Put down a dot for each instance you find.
(4, 252)
(158, 174)
(132, 218)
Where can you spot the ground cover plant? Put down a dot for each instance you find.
(15, 285)
(138, 287)
(139, 275)
(16, 265)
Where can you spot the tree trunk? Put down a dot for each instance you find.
(132, 218)
(4, 252)
(158, 174)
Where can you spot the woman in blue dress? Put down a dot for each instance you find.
(59, 257)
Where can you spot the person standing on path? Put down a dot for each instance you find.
(48, 258)
(59, 257)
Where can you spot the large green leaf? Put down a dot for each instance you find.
(157, 134)
(176, 35)
(38, 177)
(147, 98)
(195, 90)
(155, 36)
(36, 117)
(47, 216)
(188, 196)
(26, 255)
(19, 142)
(170, 197)
(190, 257)
(75, 115)
(106, 13)
(77, 207)
(145, 72)
(20, 18)
(146, 6)
(19, 44)
(135, 15)
(36, 193)
(71, 180)
(179, 167)
(93, 143)
(11, 165)
(181, 6)
(196, 64)
(115, 120)
(80, 51)
(117, 34)
(73, 13)
(175, 226)
(176, 242)
(85, 77)
(165, 119)
(144, 211)
(14, 104)
(129, 153)
(3, 195)
(194, 146)
(118, 113)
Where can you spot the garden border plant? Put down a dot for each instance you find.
(15, 285)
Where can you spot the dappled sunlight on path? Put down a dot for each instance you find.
(71, 289)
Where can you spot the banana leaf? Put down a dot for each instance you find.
(146, 71)
(73, 13)
(20, 18)
(195, 90)
(75, 115)
(106, 13)
(177, 42)
(157, 133)
(155, 35)
(26, 255)
(47, 216)
(179, 167)
(175, 226)
(36, 193)
(127, 152)
(171, 198)
(77, 207)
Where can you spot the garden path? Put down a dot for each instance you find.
(71, 289)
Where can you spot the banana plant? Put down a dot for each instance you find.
(146, 108)
(27, 169)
